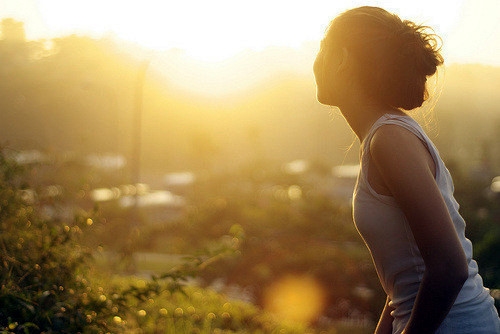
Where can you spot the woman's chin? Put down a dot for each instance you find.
(323, 100)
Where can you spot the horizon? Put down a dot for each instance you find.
(223, 105)
(197, 51)
(227, 78)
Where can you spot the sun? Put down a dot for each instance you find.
(213, 48)
(206, 30)
(217, 30)
(213, 31)
(202, 31)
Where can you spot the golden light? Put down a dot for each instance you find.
(297, 298)
(215, 45)
(219, 29)
(209, 31)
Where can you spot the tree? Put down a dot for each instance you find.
(12, 30)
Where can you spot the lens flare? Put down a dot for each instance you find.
(297, 298)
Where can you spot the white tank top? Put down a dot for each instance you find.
(386, 232)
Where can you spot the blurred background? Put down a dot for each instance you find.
(193, 129)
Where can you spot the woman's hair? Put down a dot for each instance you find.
(393, 57)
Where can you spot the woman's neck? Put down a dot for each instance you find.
(361, 115)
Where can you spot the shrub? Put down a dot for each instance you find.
(48, 283)
(43, 268)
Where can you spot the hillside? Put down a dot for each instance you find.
(79, 96)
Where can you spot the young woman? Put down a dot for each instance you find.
(373, 66)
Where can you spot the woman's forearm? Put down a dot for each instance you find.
(434, 300)
(384, 325)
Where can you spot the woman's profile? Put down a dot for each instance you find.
(373, 66)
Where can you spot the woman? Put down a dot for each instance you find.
(372, 66)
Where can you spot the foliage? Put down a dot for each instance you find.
(43, 274)
(481, 209)
(49, 283)
(196, 310)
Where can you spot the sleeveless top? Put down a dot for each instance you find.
(387, 234)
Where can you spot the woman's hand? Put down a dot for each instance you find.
(384, 325)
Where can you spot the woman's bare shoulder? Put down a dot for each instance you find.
(391, 139)
(400, 156)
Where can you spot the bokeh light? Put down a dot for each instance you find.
(295, 297)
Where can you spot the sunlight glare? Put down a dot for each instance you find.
(214, 31)
(297, 298)
(206, 30)
(225, 46)
(217, 30)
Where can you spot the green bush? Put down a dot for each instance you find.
(50, 284)
(192, 310)
(43, 268)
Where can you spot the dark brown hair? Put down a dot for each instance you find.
(393, 57)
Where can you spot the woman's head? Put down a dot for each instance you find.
(390, 58)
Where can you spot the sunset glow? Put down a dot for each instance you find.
(219, 29)
(223, 47)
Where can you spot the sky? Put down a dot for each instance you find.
(219, 29)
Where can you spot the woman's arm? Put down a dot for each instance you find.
(384, 325)
(407, 170)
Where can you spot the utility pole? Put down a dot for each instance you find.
(131, 242)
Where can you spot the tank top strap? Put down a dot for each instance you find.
(404, 121)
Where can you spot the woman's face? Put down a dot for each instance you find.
(319, 75)
(326, 72)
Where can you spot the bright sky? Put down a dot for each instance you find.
(218, 29)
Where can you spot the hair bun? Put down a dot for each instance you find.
(421, 47)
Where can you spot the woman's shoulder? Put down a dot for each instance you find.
(396, 148)
(392, 136)
(392, 127)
